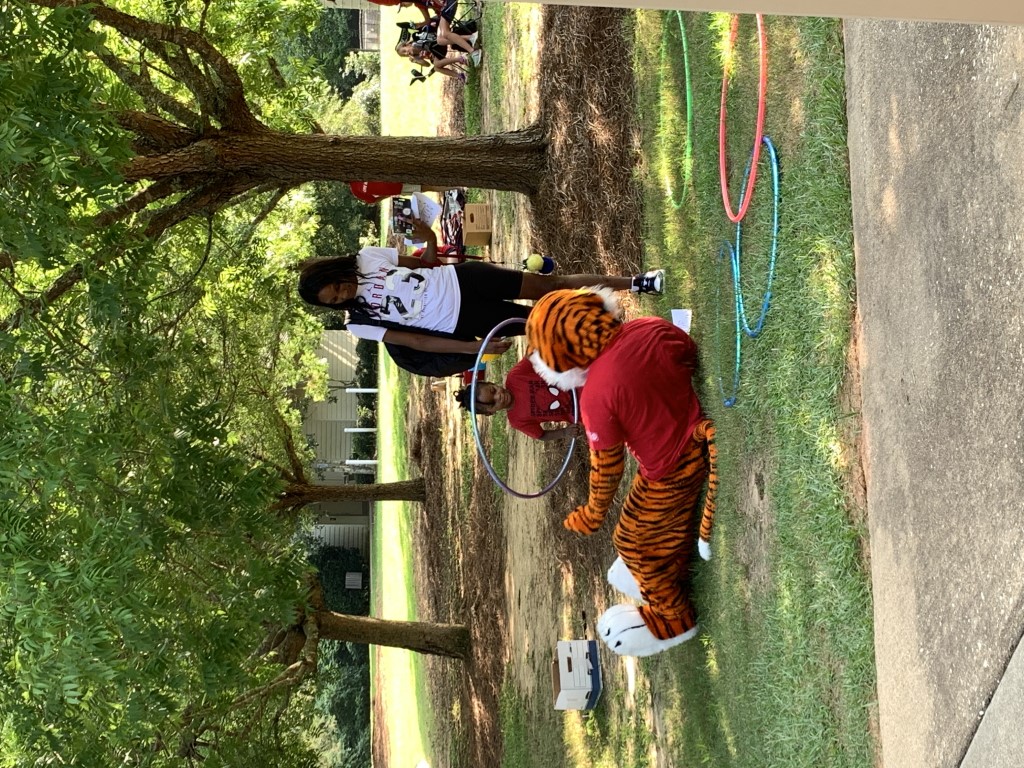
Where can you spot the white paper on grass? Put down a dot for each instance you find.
(681, 318)
(426, 210)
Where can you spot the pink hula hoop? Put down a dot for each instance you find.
(762, 87)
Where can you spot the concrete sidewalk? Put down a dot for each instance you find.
(936, 137)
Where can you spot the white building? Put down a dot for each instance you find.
(346, 523)
(369, 20)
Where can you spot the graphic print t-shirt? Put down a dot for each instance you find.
(425, 298)
(534, 401)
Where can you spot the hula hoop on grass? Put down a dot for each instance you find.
(737, 293)
(476, 432)
(762, 87)
(688, 157)
(729, 401)
(766, 301)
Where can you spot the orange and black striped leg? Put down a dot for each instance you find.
(705, 432)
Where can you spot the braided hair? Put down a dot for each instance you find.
(462, 397)
(316, 275)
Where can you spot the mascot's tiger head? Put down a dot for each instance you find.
(567, 330)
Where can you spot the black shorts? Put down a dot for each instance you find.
(487, 294)
(448, 10)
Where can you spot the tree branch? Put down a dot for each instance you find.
(31, 308)
(255, 191)
(206, 200)
(152, 193)
(297, 465)
(202, 17)
(294, 673)
(197, 271)
(197, 81)
(156, 134)
(265, 211)
(284, 471)
(236, 114)
(152, 96)
(274, 637)
(75, 274)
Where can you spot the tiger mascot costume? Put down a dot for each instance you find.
(638, 393)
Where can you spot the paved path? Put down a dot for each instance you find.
(936, 117)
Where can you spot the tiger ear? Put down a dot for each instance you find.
(608, 297)
(566, 381)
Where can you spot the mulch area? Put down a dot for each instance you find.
(589, 213)
(588, 210)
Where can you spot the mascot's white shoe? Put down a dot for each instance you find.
(624, 631)
(619, 576)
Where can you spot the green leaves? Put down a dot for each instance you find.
(143, 410)
(58, 153)
(90, 598)
(139, 557)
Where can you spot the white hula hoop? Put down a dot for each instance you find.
(476, 432)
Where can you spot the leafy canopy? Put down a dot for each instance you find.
(145, 413)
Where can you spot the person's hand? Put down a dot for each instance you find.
(498, 346)
(421, 231)
(576, 430)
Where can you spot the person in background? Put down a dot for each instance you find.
(528, 401)
(417, 300)
(372, 192)
(429, 8)
(437, 56)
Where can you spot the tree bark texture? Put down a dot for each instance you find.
(303, 494)
(510, 161)
(450, 640)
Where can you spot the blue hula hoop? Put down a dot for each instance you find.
(476, 431)
(729, 401)
(742, 323)
(737, 254)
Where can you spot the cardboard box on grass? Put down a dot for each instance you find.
(476, 224)
(576, 674)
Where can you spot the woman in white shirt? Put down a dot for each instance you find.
(464, 301)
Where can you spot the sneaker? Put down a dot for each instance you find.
(649, 282)
(475, 57)
(472, 39)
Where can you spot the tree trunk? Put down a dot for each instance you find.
(511, 161)
(450, 640)
(303, 494)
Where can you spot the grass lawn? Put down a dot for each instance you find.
(405, 110)
(396, 675)
(785, 671)
(783, 674)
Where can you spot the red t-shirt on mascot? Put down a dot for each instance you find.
(654, 413)
(534, 401)
(373, 192)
